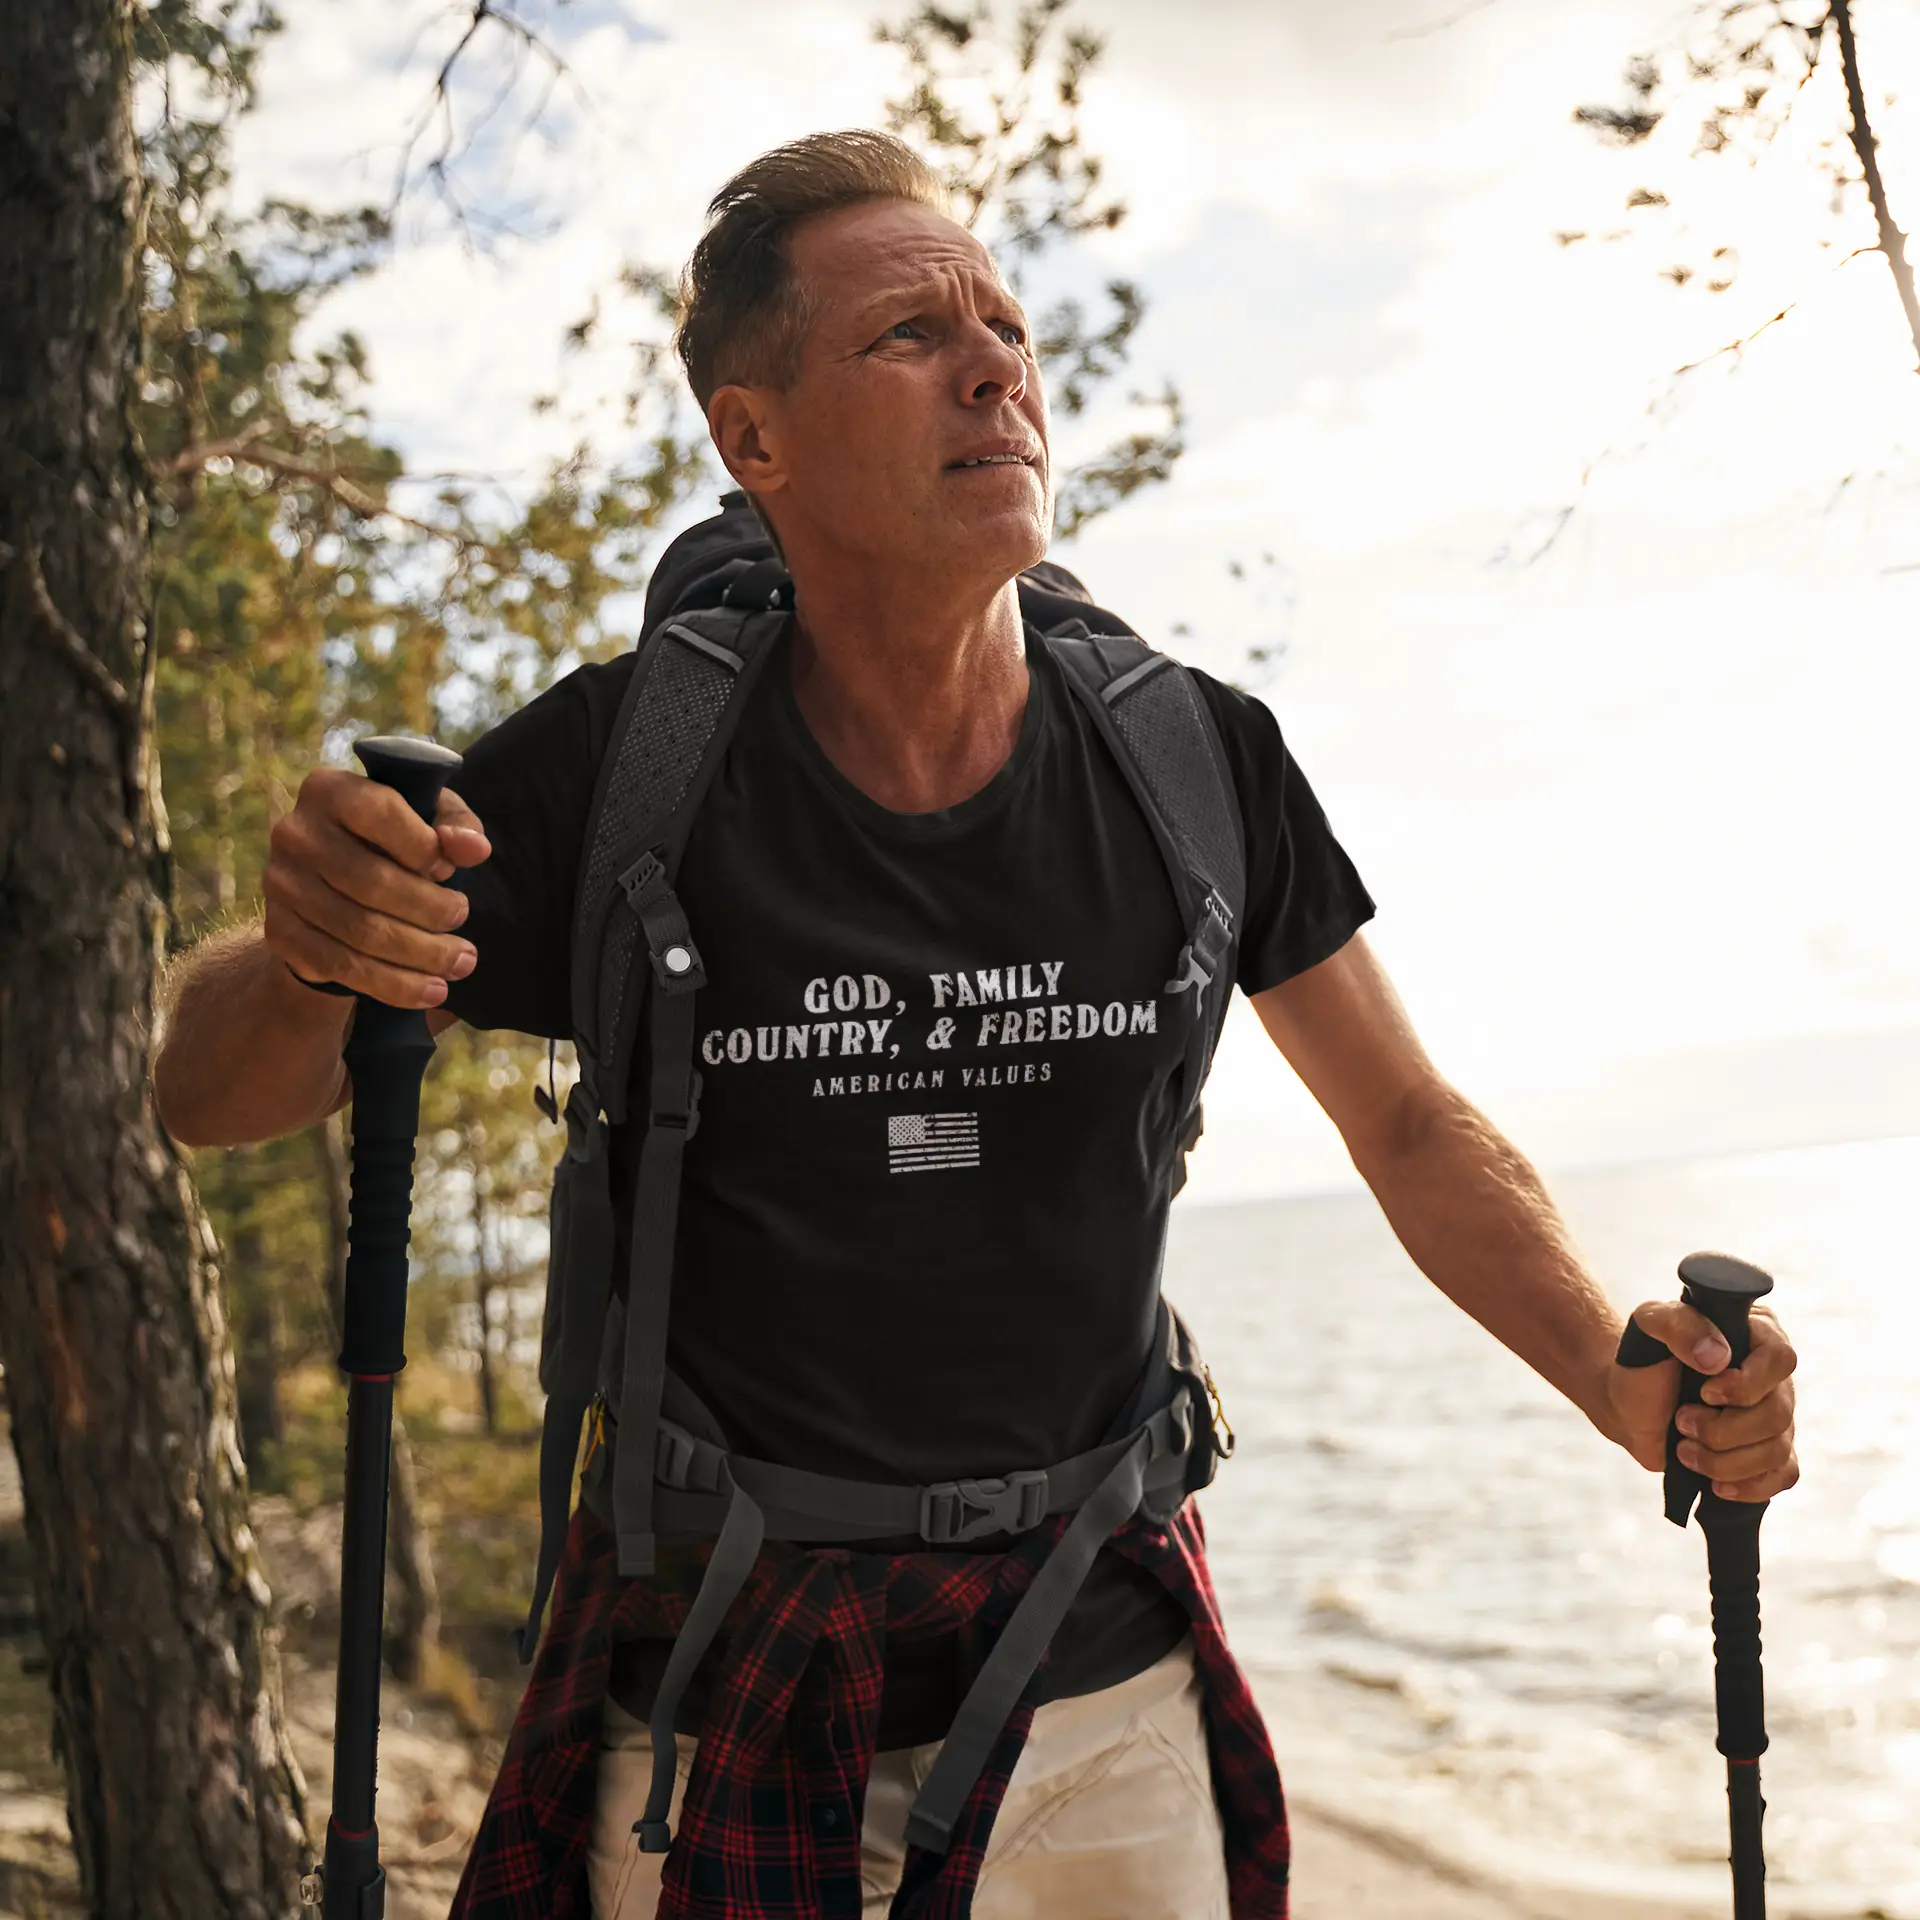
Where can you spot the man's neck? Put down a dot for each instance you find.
(918, 702)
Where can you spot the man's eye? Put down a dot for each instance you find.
(1015, 336)
(900, 330)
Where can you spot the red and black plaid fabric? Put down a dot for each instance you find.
(770, 1827)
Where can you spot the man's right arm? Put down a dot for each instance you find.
(247, 1052)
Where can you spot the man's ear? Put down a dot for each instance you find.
(746, 436)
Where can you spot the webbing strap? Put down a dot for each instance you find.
(997, 1688)
(579, 1283)
(673, 1114)
(731, 1562)
(694, 1477)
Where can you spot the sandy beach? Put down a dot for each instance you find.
(1341, 1873)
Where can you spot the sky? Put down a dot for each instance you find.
(1637, 801)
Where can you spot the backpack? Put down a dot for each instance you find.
(658, 1462)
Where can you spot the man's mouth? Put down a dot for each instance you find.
(992, 460)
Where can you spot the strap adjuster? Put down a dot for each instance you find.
(1206, 948)
(687, 1122)
(956, 1511)
(672, 1456)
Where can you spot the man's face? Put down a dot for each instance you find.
(916, 430)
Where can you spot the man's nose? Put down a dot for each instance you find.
(997, 370)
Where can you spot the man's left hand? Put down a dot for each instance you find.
(1742, 1437)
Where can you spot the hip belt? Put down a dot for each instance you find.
(703, 1490)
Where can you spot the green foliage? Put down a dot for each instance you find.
(308, 590)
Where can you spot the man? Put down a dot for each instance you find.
(911, 800)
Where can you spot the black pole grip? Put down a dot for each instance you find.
(415, 769)
(386, 1054)
(1724, 1289)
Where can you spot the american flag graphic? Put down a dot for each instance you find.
(925, 1142)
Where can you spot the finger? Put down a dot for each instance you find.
(363, 930)
(1770, 1363)
(1737, 1463)
(319, 956)
(1686, 1333)
(351, 867)
(1728, 1427)
(463, 840)
(1762, 1486)
(379, 816)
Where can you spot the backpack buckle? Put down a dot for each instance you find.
(1206, 948)
(956, 1511)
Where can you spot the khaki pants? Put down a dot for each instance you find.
(1109, 1815)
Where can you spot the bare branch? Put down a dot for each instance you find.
(1893, 243)
(358, 499)
(437, 110)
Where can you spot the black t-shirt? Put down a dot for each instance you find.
(921, 1217)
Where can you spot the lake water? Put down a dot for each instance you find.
(1467, 1617)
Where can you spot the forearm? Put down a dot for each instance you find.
(1472, 1213)
(246, 1052)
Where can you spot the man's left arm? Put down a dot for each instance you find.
(1473, 1215)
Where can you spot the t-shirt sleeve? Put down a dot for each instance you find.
(1305, 898)
(531, 780)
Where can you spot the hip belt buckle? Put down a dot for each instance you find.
(956, 1511)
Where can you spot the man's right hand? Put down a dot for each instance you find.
(352, 894)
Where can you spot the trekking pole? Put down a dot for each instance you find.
(1724, 1289)
(386, 1056)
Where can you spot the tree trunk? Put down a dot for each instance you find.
(413, 1593)
(413, 1596)
(183, 1793)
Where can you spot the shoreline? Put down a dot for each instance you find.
(1344, 1869)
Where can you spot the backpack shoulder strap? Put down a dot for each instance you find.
(689, 688)
(692, 681)
(1148, 710)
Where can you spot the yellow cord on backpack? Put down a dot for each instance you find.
(596, 1430)
(1223, 1439)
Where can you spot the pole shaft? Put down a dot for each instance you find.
(1744, 1809)
(363, 1572)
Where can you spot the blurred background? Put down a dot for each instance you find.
(1516, 396)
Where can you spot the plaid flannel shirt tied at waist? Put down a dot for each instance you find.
(770, 1825)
